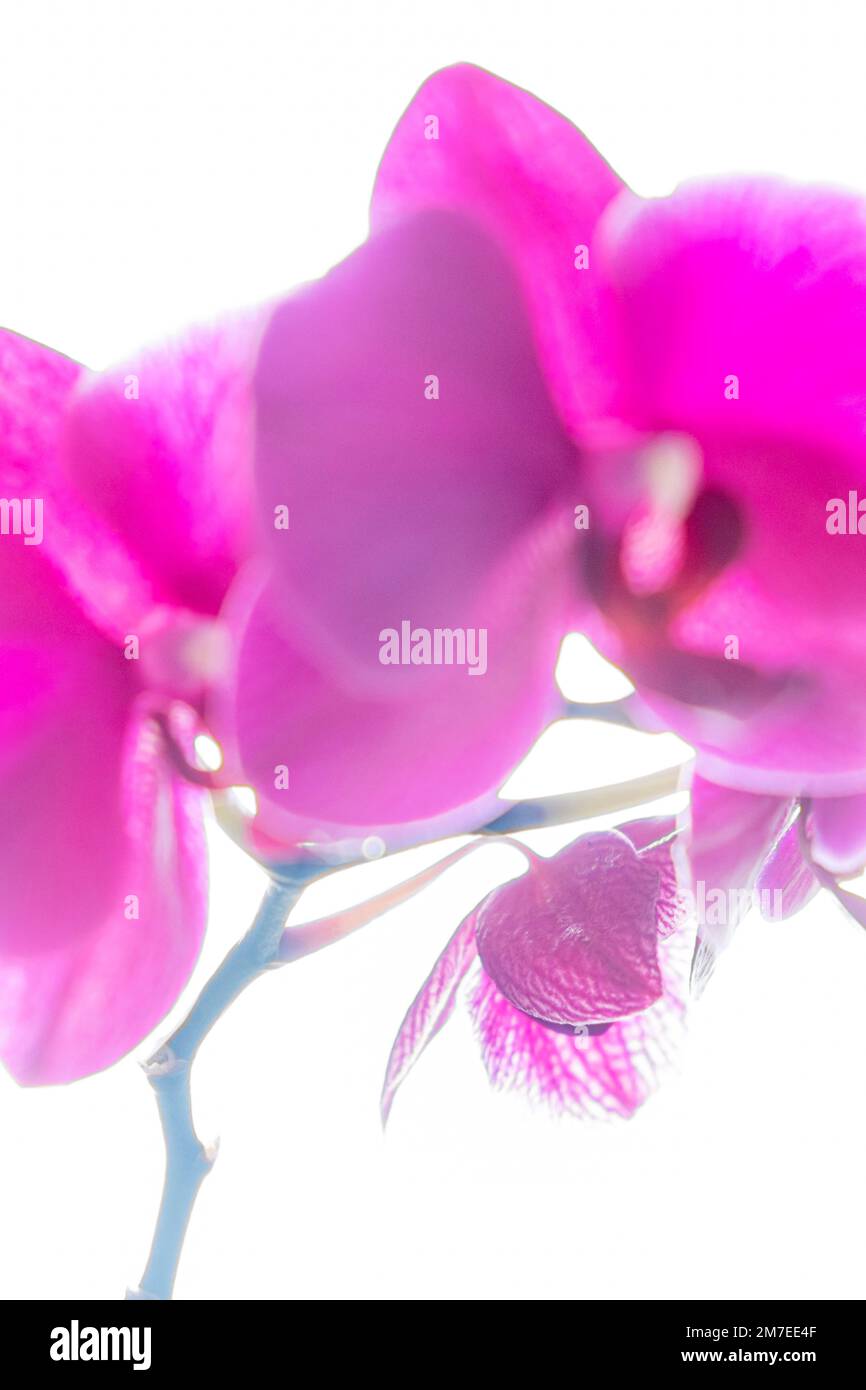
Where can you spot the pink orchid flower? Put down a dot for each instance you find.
(102, 852)
(374, 495)
(232, 522)
(711, 375)
(576, 974)
(394, 454)
(706, 354)
(409, 480)
(412, 482)
(769, 852)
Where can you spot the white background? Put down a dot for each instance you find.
(160, 162)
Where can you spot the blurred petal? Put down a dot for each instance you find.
(750, 276)
(423, 754)
(731, 835)
(95, 828)
(853, 903)
(837, 833)
(161, 449)
(402, 501)
(747, 282)
(534, 183)
(37, 386)
(591, 1073)
(77, 997)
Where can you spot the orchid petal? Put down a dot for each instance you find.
(102, 854)
(430, 1010)
(503, 158)
(659, 842)
(786, 882)
(160, 448)
(424, 754)
(402, 413)
(837, 834)
(585, 1072)
(84, 989)
(731, 834)
(727, 294)
(575, 940)
(37, 386)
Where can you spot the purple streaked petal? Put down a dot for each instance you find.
(660, 842)
(786, 882)
(575, 939)
(430, 1010)
(604, 1074)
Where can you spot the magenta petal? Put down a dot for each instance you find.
(786, 882)
(102, 853)
(161, 449)
(403, 422)
(853, 903)
(533, 182)
(82, 988)
(37, 388)
(660, 843)
(739, 286)
(837, 833)
(750, 276)
(428, 750)
(731, 834)
(575, 940)
(430, 1010)
(591, 1073)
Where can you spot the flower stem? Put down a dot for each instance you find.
(187, 1160)
(606, 711)
(268, 944)
(595, 801)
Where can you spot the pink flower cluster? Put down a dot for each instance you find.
(232, 522)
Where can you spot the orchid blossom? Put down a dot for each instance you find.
(530, 403)
(576, 974)
(705, 352)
